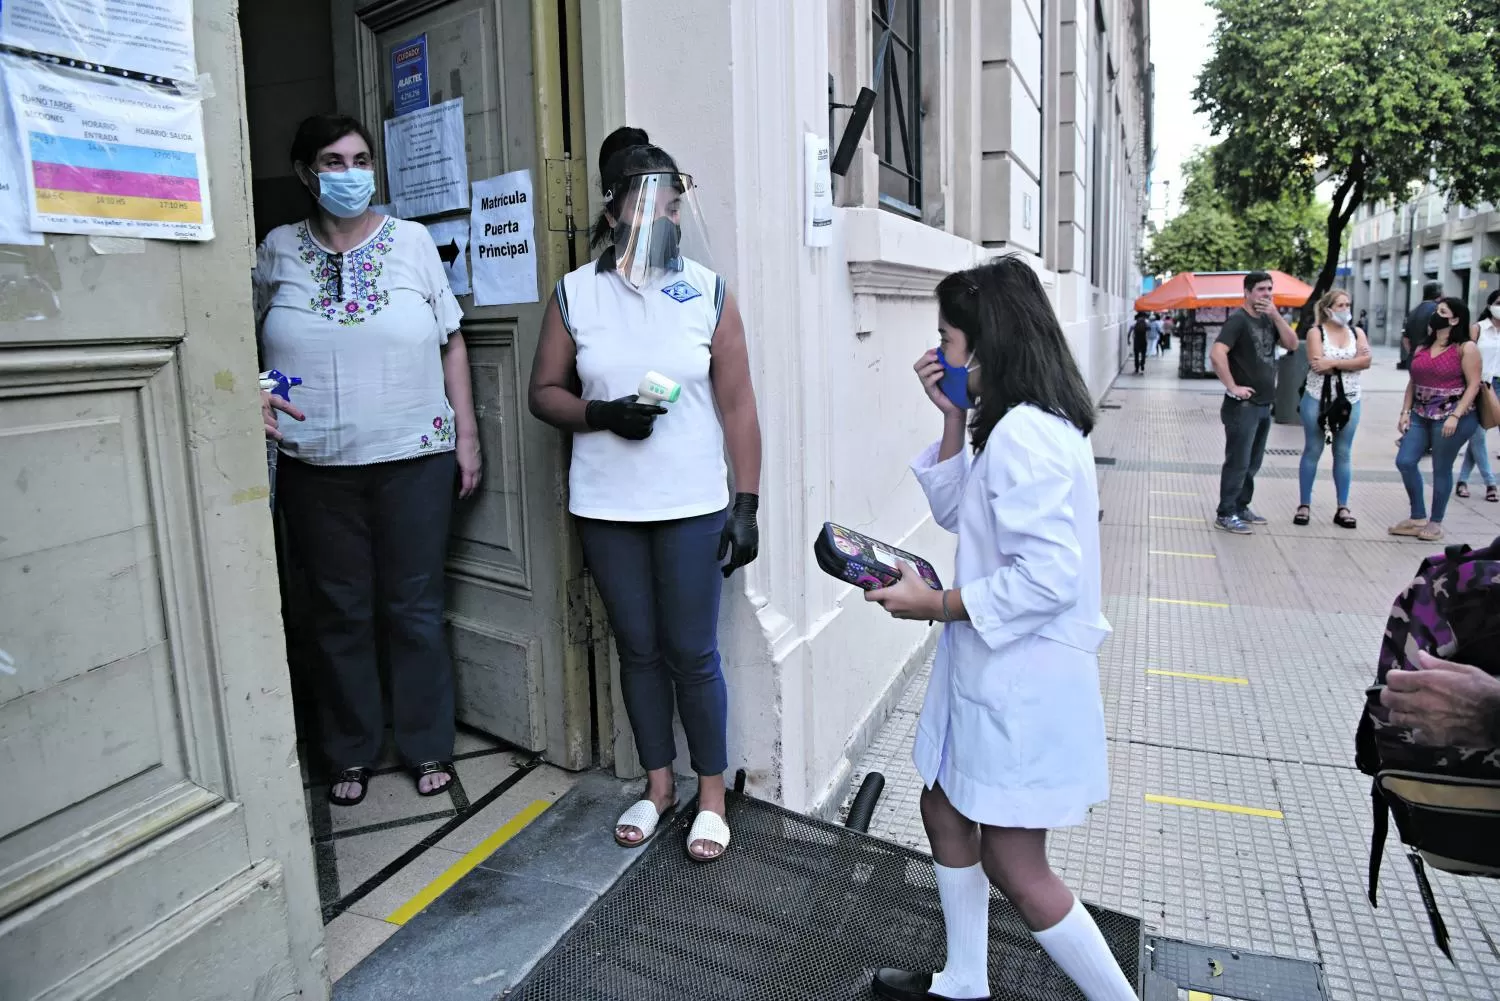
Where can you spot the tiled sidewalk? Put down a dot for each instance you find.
(1235, 678)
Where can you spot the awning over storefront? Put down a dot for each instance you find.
(1194, 290)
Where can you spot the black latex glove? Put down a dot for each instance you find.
(740, 540)
(625, 417)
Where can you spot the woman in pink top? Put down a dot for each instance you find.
(1438, 413)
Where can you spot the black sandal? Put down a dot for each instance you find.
(427, 768)
(360, 774)
(1462, 489)
(1492, 495)
(1303, 515)
(1343, 519)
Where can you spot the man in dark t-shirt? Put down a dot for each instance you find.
(1244, 359)
(1138, 336)
(1414, 333)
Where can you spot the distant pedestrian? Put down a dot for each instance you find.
(1244, 359)
(1336, 354)
(1437, 413)
(1415, 333)
(1153, 335)
(1167, 326)
(1140, 334)
(1364, 319)
(1487, 335)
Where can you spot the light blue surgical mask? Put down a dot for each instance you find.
(346, 193)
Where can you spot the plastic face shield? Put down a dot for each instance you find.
(659, 223)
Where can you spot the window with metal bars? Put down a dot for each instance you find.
(897, 27)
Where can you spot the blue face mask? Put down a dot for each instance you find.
(347, 193)
(955, 383)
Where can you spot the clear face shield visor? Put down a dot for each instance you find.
(656, 224)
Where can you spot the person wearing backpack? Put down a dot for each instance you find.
(1445, 704)
(1336, 353)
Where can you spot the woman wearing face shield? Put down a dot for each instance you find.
(358, 306)
(648, 485)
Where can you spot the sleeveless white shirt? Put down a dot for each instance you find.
(621, 333)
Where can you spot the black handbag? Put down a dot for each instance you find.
(1334, 409)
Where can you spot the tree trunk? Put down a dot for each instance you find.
(1348, 197)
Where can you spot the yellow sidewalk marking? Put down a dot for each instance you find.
(1163, 517)
(1199, 996)
(472, 858)
(1174, 493)
(1203, 804)
(1189, 556)
(1194, 604)
(1224, 678)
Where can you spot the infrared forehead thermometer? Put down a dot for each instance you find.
(657, 388)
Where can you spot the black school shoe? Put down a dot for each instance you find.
(899, 985)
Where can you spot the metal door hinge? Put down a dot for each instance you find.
(562, 189)
(580, 622)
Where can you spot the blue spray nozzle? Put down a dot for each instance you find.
(278, 384)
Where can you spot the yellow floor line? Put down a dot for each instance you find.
(472, 858)
(1223, 678)
(1199, 996)
(1190, 556)
(1203, 804)
(1193, 604)
(1163, 517)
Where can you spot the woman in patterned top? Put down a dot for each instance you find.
(358, 306)
(1438, 414)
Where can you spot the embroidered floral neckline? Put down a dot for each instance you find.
(348, 284)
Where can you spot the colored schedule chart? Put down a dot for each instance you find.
(104, 156)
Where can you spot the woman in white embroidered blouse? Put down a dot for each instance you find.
(358, 307)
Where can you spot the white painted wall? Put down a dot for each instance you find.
(729, 87)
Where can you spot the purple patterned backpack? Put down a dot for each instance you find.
(1446, 800)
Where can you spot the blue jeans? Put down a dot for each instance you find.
(1478, 455)
(1312, 450)
(660, 584)
(1246, 427)
(1422, 435)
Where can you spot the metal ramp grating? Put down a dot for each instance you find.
(798, 909)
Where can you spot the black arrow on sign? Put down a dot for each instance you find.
(448, 252)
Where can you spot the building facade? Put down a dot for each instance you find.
(1453, 244)
(181, 866)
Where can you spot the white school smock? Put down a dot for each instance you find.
(1013, 724)
(371, 360)
(620, 333)
(1489, 349)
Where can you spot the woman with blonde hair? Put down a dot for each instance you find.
(1337, 352)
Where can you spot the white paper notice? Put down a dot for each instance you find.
(154, 37)
(502, 231)
(819, 194)
(426, 164)
(452, 239)
(15, 216)
(105, 156)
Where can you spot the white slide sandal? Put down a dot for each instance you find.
(708, 826)
(643, 817)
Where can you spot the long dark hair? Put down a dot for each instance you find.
(1459, 332)
(1014, 336)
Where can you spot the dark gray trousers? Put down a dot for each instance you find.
(373, 541)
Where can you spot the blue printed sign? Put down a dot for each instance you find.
(409, 88)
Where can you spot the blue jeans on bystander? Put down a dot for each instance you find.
(1420, 436)
(1312, 451)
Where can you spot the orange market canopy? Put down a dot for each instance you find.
(1195, 290)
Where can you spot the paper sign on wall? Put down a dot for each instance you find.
(452, 239)
(154, 37)
(409, 86)
(107, 156)
(426, 164)
(502, 233)
(15, 216)
(819, 192)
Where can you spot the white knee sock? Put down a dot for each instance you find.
(965, 894)
(1076, 945)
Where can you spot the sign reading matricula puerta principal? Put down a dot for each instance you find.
(502, 240)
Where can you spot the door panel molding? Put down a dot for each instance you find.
(493, 669)
(119, 541)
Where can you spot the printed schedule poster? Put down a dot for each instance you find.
(106, 156)
(502, 240)
(154, 37)
(409, 86)
(426, 164)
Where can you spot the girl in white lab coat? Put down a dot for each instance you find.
(1011, 737)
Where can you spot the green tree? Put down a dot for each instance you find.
(1209, 234)
(1372, 96)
